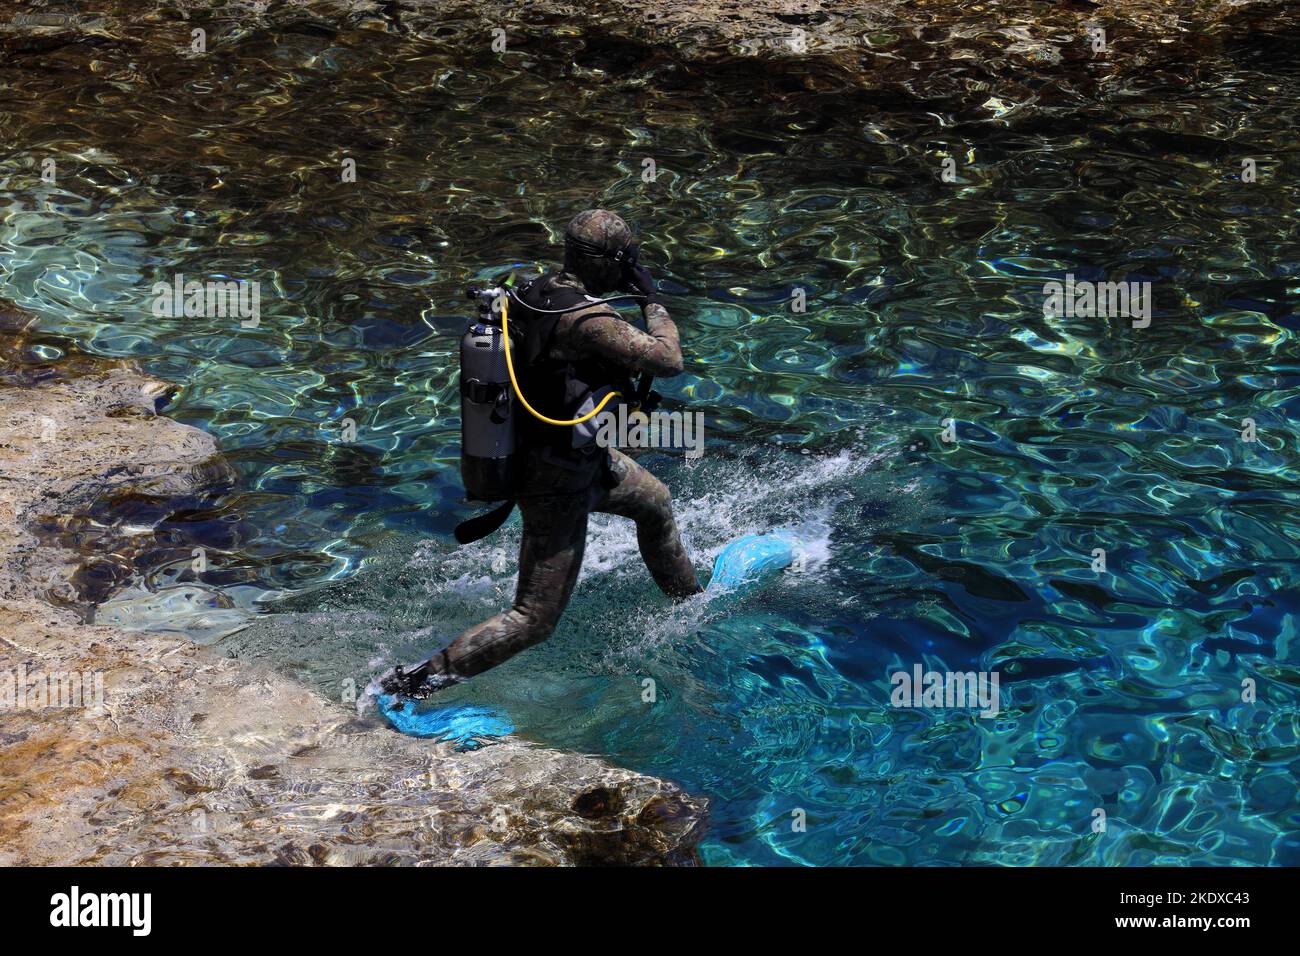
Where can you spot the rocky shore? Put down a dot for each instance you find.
(919, 47)
(191, 758)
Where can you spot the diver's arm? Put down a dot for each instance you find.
(655, 350)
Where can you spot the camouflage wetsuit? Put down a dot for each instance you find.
(556, 499)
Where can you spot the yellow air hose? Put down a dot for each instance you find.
(510, 367)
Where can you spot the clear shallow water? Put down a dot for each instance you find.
(1121, 690)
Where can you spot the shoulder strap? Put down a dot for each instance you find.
(546, 303)
(538, 326)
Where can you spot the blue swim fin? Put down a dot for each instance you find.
(749, 559)
(464, 725)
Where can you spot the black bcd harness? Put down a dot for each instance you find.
(558, 388)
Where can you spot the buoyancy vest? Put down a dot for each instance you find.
(562, 388)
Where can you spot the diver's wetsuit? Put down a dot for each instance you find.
(557, 497)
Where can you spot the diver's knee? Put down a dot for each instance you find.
(658, 504)
(533, 625)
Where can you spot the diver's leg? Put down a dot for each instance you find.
(550, 556)
(642, 497)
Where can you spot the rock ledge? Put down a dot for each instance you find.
(191, 758)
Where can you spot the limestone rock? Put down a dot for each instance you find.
(166, 753)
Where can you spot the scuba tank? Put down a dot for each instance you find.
(487, 425)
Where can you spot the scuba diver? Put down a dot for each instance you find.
(574, 348)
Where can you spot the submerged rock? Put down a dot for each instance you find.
(124, 747)
(195, 758)
(70, 445)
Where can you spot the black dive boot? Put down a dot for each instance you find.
(418, 682)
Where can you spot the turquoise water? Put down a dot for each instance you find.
(333, 559)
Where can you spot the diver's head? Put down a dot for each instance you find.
(597, 248)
